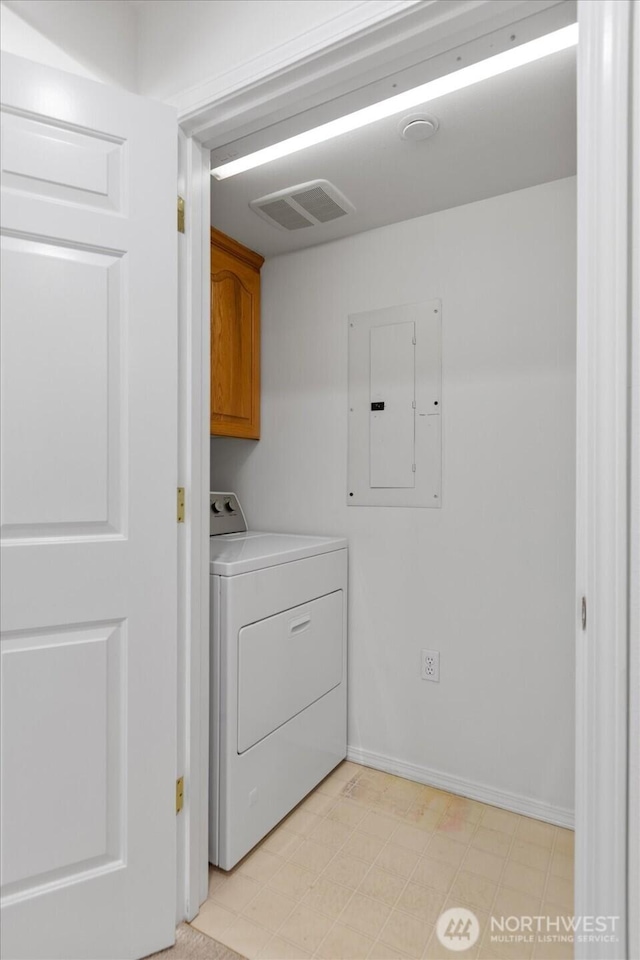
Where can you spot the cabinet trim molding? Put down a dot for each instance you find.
(236, 249)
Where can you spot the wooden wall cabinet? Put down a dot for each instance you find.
(235, 338)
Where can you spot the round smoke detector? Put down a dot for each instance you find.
(417, 127)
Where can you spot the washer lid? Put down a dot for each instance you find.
(244, 552)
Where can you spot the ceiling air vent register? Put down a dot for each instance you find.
(304, 205)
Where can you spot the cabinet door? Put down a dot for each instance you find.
(235, 339)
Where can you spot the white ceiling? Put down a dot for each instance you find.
(504, 134)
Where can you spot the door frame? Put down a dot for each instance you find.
(193, 536)
(634, 500)
(606, 369)
(340, 60)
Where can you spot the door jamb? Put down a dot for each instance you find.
(602, 467)
(634, 500)
(193, 535)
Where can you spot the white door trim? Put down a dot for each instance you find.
(193, 545)
(602, 466)
(634, 526)
(224, 111)
(363, 44)
(197, 102)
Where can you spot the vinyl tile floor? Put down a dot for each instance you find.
(364, 866)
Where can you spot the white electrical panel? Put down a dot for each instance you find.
(395, 405)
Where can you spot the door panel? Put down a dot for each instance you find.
(48, 681)
(43, 158)
(75, 445)
(232, 346)
(89, 474)
(285, 663)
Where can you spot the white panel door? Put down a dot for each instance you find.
(89, 462)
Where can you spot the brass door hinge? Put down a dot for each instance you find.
(180, 504)
(179, 794)
(180, 215)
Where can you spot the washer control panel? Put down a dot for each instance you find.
(225, 514)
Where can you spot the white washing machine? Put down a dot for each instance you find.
(278, 674)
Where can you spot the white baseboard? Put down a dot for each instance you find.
(527, 806)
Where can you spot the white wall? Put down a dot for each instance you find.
(489, 579)
(185, 43)
(164, 48)
(93, 38)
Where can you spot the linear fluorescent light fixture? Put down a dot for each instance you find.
(418, 96)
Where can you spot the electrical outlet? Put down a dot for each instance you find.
(431, 665)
